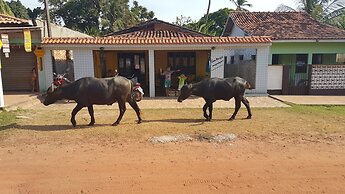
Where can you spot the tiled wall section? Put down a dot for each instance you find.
(83, 64)
(328, 77)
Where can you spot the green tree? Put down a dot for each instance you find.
(35, 13)
(214, 25)
(339, 21)
(18, 9)
(141, 13)
(98, 16)
(5, 9)
(240, 4)
(322, 10)
(79, 14)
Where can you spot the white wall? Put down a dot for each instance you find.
(83, 63)
(275, 77)
(45, 77)
(236, 31)
(59, 31)
(261, 70)
(217, 63)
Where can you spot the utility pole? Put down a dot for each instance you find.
(48, 18)
(49, 32)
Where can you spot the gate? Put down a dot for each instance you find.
(298, 82)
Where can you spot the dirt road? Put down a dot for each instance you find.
(194, 167)
(281, 150)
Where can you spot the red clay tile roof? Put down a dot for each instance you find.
(10, 21)
(156, 28)
(282, 25)
(154, 34)
(156, 41)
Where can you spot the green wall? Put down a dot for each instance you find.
(307, 48)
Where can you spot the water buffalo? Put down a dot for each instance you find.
(100, 91)
(218, 89)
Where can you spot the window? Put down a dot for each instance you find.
(241, 57)
(317, 59)
(301, 63)
(184, 61)
(275, 59)
(253, 57)
(232, 59)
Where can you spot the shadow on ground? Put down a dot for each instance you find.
(3, 128)
(54, 127)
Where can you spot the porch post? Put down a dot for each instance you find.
(152, 73)
(261, 70)
(45, 77)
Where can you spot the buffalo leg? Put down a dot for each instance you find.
(210, 109)
(135, 106)
(74, 112)
(90, 109)
(122, 107)
(237, 107)
(205, 113)
(246, 103)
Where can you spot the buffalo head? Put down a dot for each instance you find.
(53, 95)
(186, 91)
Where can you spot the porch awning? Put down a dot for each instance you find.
(157, 41)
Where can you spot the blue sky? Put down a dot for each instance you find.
(168, 10)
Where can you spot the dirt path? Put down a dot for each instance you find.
(194, 167)
(280, 150)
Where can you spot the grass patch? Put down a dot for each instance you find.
(333, 110)
(6, 119)
(295, 121)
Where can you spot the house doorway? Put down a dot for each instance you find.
(133, 66)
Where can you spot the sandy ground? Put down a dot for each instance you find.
(196, 167)
(280, 150)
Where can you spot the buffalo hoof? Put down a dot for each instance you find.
(249, 117)
(139, 121)
(91, 124)
(208, 119)
(115, 124)
(74, 123)
(232, 118)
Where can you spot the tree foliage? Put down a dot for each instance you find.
(213, 26)
(35, 13)
(97, 17)
(5, 9)
(322, 10)
(18, 9)
(240, 4)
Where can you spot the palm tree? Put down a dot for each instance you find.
(240, 4)
(324, 10)
(204, 27)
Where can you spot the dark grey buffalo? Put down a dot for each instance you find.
(218, 89)
(89, 91)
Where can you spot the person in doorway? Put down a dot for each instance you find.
(167, 83)
(34, 79)
(181, 81)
